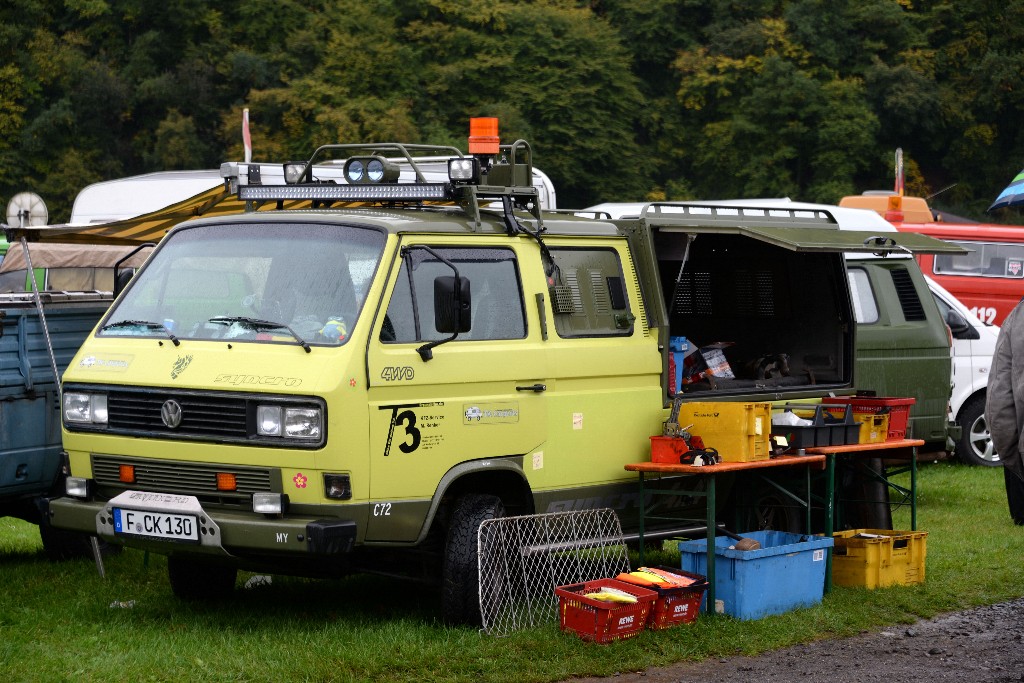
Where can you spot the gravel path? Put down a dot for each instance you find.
(982, 644)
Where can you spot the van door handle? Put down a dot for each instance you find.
(534, 387)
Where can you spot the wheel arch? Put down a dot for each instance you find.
(501, 477)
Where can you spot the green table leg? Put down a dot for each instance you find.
(712, 528)
(643, 513)
(830, 497)
(913, 488)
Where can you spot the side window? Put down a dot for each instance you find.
(865, 308)
(989, 259)
(80, 279)
(495, 295)
(589, 299)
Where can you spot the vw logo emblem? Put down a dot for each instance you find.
(170, 413)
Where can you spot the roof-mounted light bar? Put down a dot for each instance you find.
(346, 193)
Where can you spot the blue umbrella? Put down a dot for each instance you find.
(1012, 195)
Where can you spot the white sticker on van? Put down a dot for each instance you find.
(112, 363)
(577, 420)
(538, 460)
(490, 413)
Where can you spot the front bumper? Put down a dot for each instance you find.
(233, 534)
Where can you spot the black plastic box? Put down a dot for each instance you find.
(830, 428)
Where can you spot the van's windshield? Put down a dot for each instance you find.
(245, 282)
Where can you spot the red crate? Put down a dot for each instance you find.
(675, 604)
(600, 621)
(898, 409)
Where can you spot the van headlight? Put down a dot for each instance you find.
(84, 408)
(289, 422)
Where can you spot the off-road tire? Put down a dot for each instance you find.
(975, 444)
(193, 579)
(61, 544)
(460, 592)
(865, 497)
(770, 509)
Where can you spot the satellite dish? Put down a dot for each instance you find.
(26, 208)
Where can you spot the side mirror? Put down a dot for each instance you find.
(452, 299)
(122, 278)
(960, 328)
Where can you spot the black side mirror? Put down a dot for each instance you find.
(452, 299)
(122, 278)
(960, 328)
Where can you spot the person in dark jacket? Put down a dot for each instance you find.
(1004, 408)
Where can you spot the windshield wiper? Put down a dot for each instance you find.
(142, 323)
(257, 324)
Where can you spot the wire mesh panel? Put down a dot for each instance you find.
(523, 559)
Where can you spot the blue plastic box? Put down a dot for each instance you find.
(786, 573)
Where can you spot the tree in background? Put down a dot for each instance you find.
(620, 99)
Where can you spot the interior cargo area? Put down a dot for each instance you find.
(780, 317)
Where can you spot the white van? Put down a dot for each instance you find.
(974, 342)
(122, 198)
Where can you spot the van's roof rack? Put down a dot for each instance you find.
(711, 213)
(393, 173)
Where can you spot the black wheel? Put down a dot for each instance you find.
(975, 444)
(767, 508)
(198, 579)
(865, 496)
(460, 592)
(61, 544)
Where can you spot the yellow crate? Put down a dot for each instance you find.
(740, 432)
(882, 558)
(874, 427)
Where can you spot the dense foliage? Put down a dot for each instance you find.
(621, 99)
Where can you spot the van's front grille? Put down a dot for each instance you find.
(202, 415)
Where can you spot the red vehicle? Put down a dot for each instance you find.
(989, 279)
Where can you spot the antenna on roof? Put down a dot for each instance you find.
(899, 172)
(246, 140)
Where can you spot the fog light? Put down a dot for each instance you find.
(126, 474)
(226, 482)
(268, 503)
(337, 486)
(77, 487)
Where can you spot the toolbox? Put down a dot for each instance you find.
(739, 431)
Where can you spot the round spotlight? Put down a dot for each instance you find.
(355, 170)
(375, 170)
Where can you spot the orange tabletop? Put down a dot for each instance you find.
(864, 447)
(779, 461)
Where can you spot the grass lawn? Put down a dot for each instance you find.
(61, 621)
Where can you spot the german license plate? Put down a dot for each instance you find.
(165, 525)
